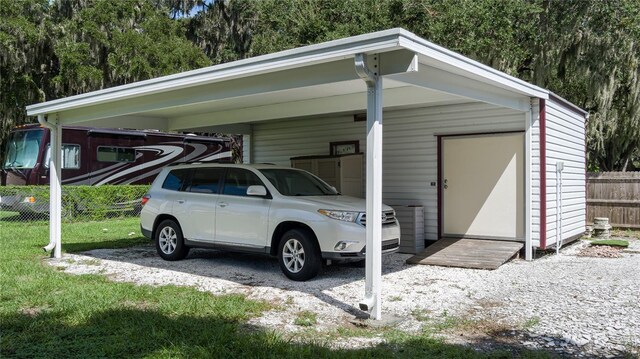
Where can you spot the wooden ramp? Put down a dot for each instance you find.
(467, 253)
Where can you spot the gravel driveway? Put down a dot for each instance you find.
(568, 304)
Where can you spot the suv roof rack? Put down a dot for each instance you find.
(186, 163)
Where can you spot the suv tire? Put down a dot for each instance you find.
(169, 241)
(299, 255)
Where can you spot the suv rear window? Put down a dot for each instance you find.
(175, 180)
(238, 180)
(206, 180)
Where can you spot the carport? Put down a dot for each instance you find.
(395, 71)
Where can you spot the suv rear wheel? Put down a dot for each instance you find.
(169, 241)
(299, 255)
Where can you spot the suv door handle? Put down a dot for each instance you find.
(223, 204)
(181, 201)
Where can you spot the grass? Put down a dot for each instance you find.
(306, 318)
(610, 242)
(626, 233)
(47, 313)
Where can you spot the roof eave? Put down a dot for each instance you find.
(382, 41)
(415, 43)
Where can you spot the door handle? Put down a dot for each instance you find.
(223, 204)
(181, 201)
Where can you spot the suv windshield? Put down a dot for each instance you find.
(297, 183)
(22, 149)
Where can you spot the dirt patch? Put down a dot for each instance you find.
(33, 311)
(601, 252)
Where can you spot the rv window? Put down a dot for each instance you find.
(116, 154)
(175, 180)
(206, 180)
(70, 156)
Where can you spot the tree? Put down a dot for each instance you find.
(25, 60)
(591, 58)
(224, 29)
(52, 49)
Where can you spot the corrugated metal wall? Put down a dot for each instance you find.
(565, 131)
(409, 151)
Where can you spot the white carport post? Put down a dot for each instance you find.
(373, 269)
(55, 187)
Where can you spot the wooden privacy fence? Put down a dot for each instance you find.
(615, 195)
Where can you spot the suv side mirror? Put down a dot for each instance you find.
(257, 191)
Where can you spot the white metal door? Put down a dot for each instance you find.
(483, 186)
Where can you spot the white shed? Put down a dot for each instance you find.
(487, 155)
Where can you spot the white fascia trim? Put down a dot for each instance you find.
(417, 44)
(382, 41)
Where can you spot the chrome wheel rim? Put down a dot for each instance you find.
(168, 240)
(293, 255)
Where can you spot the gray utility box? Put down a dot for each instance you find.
(411, 220)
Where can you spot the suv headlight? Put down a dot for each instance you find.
(347, 216)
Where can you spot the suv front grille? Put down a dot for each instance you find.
(386, 245)
(388, 217)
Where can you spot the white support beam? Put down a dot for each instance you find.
(127, 121)
(373, 268)
(232, 129)
(435, 79)
(247, 149)
(393, 97)
(55, 186)
(337, 71)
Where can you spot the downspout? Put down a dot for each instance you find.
(559, 240)
(54, 188)
(372, 301)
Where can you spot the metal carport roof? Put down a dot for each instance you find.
(319, 79)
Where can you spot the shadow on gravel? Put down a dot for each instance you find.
(138, 333)
(248, 269)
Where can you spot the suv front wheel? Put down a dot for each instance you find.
(298, 255)
(169, 241)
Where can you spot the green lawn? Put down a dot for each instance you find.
(46, 313)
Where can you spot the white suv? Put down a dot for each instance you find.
(280, 211)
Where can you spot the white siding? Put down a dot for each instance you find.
(410, 158)
(565, 141)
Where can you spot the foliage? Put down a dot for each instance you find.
(584, 51)
(53, 49)
(81, 203)
(591, 58)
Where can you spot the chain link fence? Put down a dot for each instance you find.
(79, 203)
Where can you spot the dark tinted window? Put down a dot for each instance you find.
(175, 179)
(290, 182)
(238, 180)
(206, 180)
(116, 154)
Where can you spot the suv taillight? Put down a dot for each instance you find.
(145, 199)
